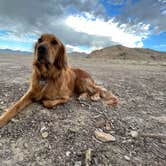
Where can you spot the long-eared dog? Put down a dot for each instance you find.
(54, 82)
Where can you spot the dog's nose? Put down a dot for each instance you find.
(42, 49)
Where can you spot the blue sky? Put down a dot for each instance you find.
(84, 25)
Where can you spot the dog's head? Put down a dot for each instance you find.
(49, 50)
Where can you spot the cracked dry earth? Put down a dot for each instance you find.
(62, 136)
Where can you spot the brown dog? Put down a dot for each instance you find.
(54, 82)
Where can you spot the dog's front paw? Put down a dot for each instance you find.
(47, 103)
(83, 96)
(113, 101)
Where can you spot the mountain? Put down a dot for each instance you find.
(78, 54)
(122, 52)
(18, 52)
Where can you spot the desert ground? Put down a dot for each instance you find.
(65, 135)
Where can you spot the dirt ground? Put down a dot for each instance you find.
(69, 129)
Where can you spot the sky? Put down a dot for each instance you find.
(84, 25)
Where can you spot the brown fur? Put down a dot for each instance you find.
(60, 81)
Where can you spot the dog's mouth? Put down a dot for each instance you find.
(41, 58)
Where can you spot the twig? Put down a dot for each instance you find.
(88, 158)
(157, 136)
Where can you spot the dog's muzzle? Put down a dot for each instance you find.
(42, 53)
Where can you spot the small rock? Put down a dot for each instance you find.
(104, 137)
(100, 123)
(108, 126)
(95, 161)
(6, 95)
(14, 120)
(25, 145)
(2, 102)
(1, 144)
(134, 134)
(127, 158)
(161, 119)
(45, 134)
(77, 163)
(68, 153)
(43, 128)
(44, 111)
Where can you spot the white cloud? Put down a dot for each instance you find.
(163, 12)
(71, 48)
(110, 29)
(28, 38)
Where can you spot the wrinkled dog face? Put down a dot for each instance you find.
(46, 49)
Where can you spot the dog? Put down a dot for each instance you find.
(53, 81)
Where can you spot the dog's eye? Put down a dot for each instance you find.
(54, 42)
(40, 40)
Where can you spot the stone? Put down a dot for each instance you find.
(25, 145)
(100, 123)
(77, 163)
(68, 153)
(45, 134)
(108, 126)
(127, 158)
(134, 134)
(104, 137)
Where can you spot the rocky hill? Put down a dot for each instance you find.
(122, 52)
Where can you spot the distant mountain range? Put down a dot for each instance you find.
(82, 54)
(112, 52)
(18, 52)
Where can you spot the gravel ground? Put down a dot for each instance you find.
(63, 135)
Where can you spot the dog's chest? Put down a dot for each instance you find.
(43, 82)
(51, 89)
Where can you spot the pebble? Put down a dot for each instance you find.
(68, 153)
(77, 163)
(100, 123)
(134, 134)
(14, 120)
(45, 134)
(108, 126)
(104, 137)
(43, 128)
(2, 102)
(127, 158)
(25, 145)
(44, 111)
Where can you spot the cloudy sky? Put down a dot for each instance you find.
(84, 25)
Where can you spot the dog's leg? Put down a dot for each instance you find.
(14, 109)
(95, 97)
(52, 103)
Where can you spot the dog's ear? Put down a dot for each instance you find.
(61, 59)
(35, 47)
